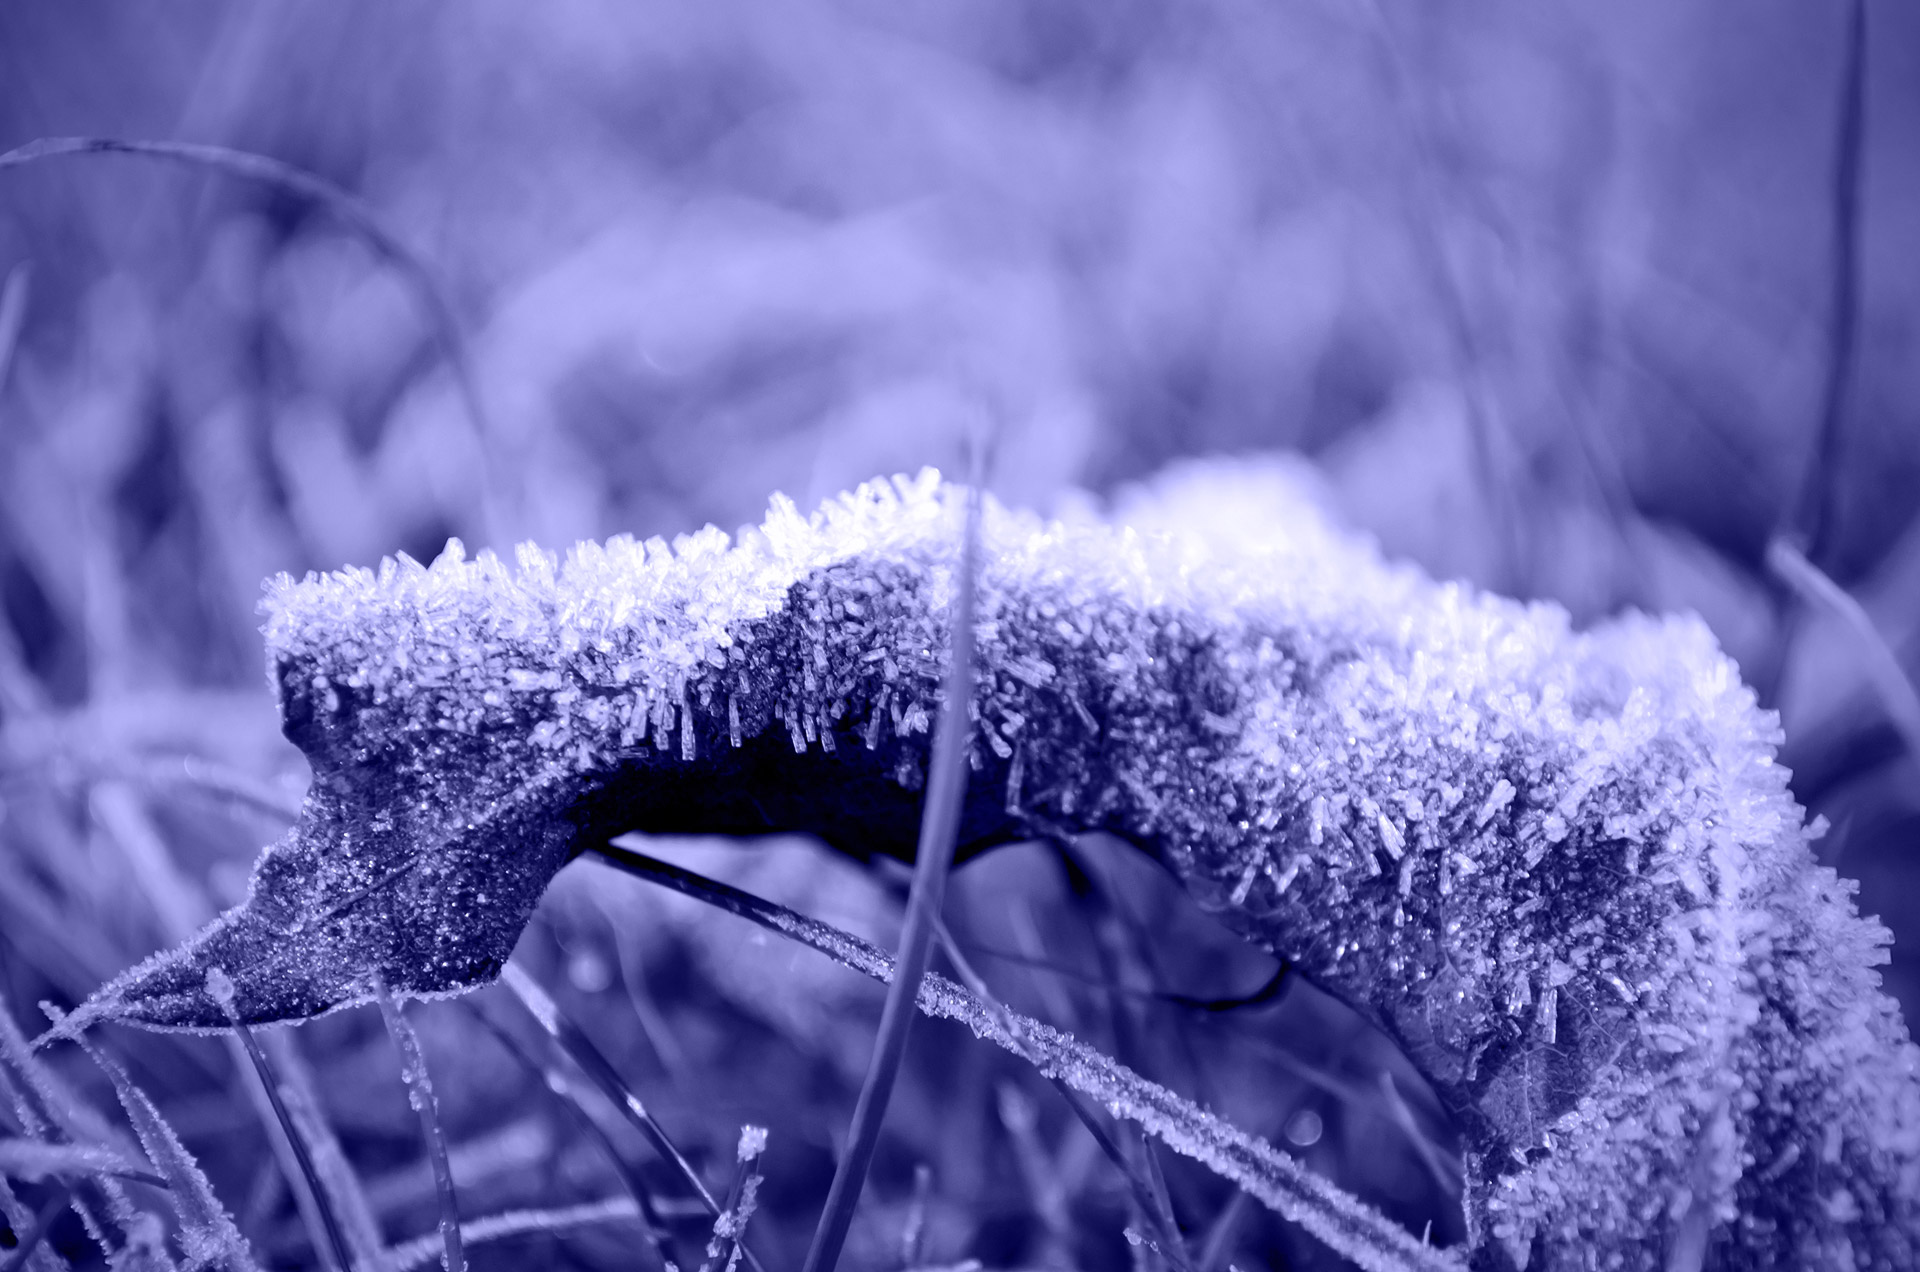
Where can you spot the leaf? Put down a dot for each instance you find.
(1445, 807)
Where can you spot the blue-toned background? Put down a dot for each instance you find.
(1586, 303)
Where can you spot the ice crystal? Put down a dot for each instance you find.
(730, 1225)
(1561, 868)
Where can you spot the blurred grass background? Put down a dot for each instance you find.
(1548, 295)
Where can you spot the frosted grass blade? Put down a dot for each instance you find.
(220, 990)
(1152, 1201)
(421, 1251)
(207, 1232)
(44, 1106)
(413, 1070)
(32, 1159)
(652, 1226)
(43, 1218)
(1345, 1223)
(601, 1073)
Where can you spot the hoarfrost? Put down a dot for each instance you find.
(208, 1236)
(1603, 801)
(47, 1110)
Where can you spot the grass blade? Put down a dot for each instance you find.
(652, 1225)
(343, 1187)
(33, 1159)
(1215, 1247)
(42, 1220)
(13, 315)
(742, 1199)
(1812, 584)
(207, 1232)
(220, 988)
(933, 861)
(513, 1223)
(45, 1107)
(601, 1073)
(413, 1072)
(1345, 1223)
(1149, 1194)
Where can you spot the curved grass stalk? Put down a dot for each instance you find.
(1153, 1202)
(600, 1071)
(413, 1072)
(220, 989)
(652, 1225)
(1345, 1223)
(421, 1251)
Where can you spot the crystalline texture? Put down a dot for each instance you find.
(1560, 867)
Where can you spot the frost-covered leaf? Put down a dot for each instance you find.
(1559, 867)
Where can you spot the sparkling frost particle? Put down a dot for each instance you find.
(1497, 799)
(1390, 837)
(1245, 884)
